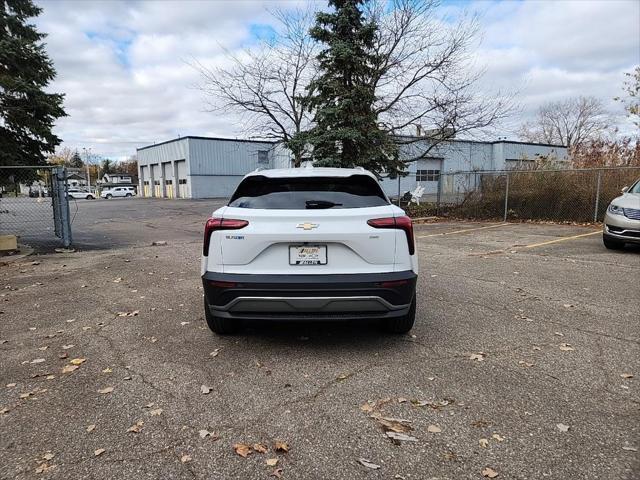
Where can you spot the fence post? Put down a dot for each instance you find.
(439, 194)
(62, 200)
(399, 189)
(595, 212)
(506, 199)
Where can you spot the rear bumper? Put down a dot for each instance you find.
(304, 297)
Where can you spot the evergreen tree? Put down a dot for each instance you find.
(346, 131)
(27, 112)
(76, 161)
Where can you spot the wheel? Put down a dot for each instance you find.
(402, 324)
(128, 195)
(612, 244)
(90, 197)
(221, 326)
(109, 196)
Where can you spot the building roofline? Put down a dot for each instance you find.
(195, 137)
(487, 142)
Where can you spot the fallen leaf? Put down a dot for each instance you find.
(402, 437)
(560, 334)
(91, 428)
(366, 407)
(242, 449)
(4, 410)
(489, 473)
(69, 368)
(99, 451)
(43, 348)
(367, 463)
(37, 360)
(78, 361)
(204, 433)
(156, 412)
(117, 280)
(44, 468)
(402, 400)
(562, 427)
(215, 352)
(630, 449)
(67, 347)
(11, 385)
(205, 390)
(497, 437)
(185, 458)
(281, 447)
(477, 356)
(393, 424)
(63, 355)
(271, 462)
(434, 429)
(626, 375)
(522, 363)
(184, 323)
(484, 443)
(568, 305)
(566, 347)
(342, 377)
(48, 456)
(26, 395)
(135, 428)
(106, 390)
(107, 370)
(277, 473)
(260, 448)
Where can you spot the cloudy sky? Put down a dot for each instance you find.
(124, 65)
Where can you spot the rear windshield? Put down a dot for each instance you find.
(300, 193)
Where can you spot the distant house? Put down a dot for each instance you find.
(75, 179)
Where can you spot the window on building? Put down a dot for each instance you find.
(168, 182)
(519, 164)
(263, 157)
(182, 181)
(156, 182)
(427, 175)
(145, 182)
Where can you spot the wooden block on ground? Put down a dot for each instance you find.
(8, 243)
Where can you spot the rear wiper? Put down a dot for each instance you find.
(321, 204)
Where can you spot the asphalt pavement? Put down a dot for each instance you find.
(524, 362)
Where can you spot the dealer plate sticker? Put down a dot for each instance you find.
(307, 254)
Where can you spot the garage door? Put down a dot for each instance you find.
(182, 187)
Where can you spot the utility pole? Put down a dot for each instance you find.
(87, 154)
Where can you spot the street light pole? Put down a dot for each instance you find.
(87, 153)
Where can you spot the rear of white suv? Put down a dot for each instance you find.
(305, 244)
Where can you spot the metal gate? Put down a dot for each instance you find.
(34, 205)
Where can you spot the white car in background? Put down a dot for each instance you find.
(78, 193)
(309, 244)
(622, 220)
(118, 192)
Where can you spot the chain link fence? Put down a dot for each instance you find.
(34, 206)
(578, 195)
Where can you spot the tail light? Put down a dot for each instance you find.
(214, 224)
(400, 223)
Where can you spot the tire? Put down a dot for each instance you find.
(221, 326)
(90, 197)
(612, 244)
(109, 196)
(128, 195)
(402, 324)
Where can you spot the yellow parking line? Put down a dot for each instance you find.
(563, 239)
(463, 231)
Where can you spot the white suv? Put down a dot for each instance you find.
(309, 243)
(118, 192)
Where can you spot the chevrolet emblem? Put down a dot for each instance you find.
(307, 226)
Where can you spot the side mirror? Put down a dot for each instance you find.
(624, 189)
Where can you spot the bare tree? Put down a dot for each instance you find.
(631, 98)
(569, 122)
(265, 84)
(425, 81)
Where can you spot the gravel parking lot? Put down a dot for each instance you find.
(524, 363)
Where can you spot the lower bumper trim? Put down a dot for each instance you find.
(318, 305)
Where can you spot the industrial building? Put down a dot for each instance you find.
(206, 167)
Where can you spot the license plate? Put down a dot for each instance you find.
(307, 255)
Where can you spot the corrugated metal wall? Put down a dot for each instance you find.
(227, 157)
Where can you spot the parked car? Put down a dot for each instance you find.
(622, 219)
(118, 192)
(309, 244)
(39, 192)
(80, 193)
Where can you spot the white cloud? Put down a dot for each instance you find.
(123, 65)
